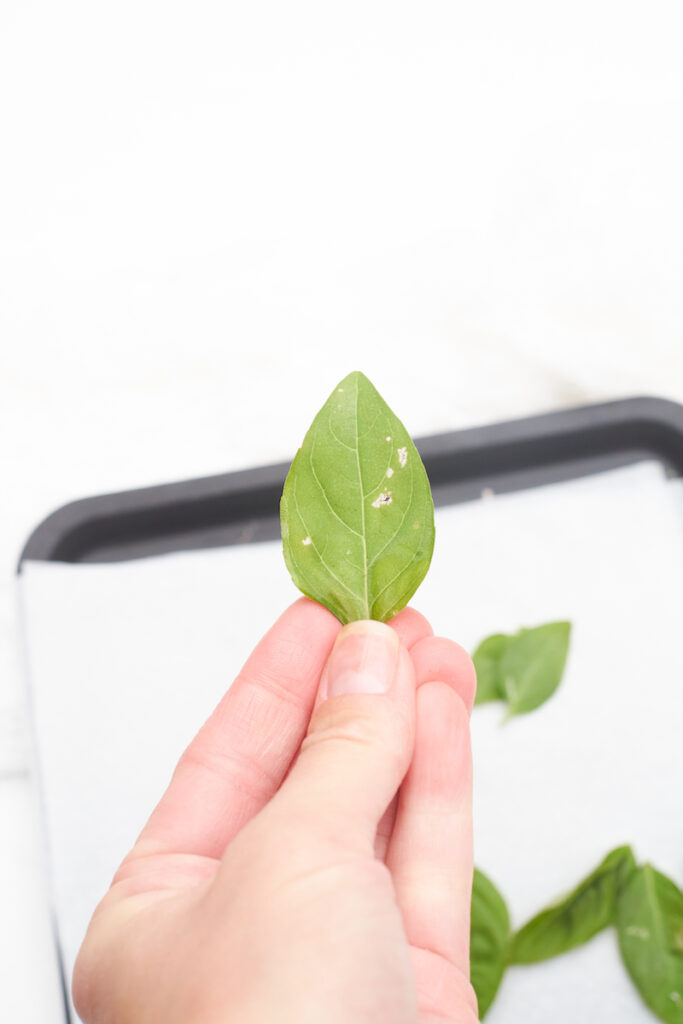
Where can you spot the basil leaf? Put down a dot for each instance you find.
(356, 512)
(570, 922)
(486, 660)
(532, 664)
(489, 938)
(524, 668)
(650, 929)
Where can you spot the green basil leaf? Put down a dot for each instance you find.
(356, 512)
(650, 928)
(489, 939)
(531, 665)
(486, 660)
(570, 922)
(524, 668)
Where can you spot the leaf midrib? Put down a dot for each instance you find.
(362, 514)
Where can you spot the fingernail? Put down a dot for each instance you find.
(363, 659)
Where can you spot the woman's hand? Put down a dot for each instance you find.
(311, 860)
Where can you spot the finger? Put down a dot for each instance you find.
(436, 658)
(239, 757)
(385, 828)
(360, 738)
(411, 626)
(430, 851)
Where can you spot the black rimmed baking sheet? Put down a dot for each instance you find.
(242, 507)
(108, 541)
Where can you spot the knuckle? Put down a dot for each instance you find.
(339, 721)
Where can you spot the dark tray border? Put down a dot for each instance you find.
(242, 507)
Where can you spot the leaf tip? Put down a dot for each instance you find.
(355, 377)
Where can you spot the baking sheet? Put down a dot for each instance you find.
(126, 661)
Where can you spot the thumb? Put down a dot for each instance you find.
(360, 737)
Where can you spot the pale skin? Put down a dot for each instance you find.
(311, 859)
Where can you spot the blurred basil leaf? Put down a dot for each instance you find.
(571, 921)
(486, 660)
(356, 513)
(489, 939)
(524, 668)
(650, 929)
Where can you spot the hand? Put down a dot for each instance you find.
(281, 878)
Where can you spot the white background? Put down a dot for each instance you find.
(211, 212)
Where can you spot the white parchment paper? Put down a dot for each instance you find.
(127, 660)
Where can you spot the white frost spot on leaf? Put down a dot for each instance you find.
(638, 933)
(383, 499)
(306, 541)
(676, 998)
(402, 456)
(390, 471)
(340, 389)
(388, 439)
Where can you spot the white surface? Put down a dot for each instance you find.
(209, 215)
(144, 650)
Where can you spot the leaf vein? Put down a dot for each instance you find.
(404, 569)
(337, 438)
(398, 528)
(369, 429)
(317, 551)
(327, 500)
(368, 493)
